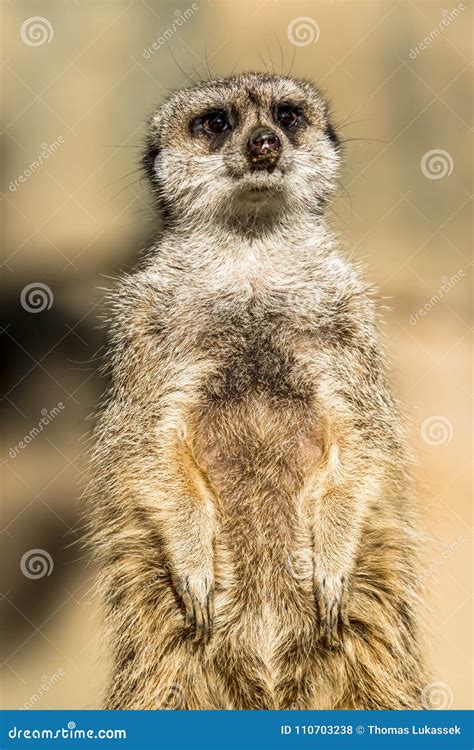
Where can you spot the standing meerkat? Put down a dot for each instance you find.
(254, 518)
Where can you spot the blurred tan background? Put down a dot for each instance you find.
(78, 83)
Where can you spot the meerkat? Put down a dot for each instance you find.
(254, 516)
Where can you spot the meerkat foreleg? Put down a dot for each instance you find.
(333, 560)
(184, 511)
(339, 499)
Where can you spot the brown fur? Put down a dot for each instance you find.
(254, 516)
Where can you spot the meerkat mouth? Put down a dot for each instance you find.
(256, 168)
(261, 192)
(262, 180)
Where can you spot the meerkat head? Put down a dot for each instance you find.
(247, 146)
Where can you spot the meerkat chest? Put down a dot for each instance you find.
(256, 401)
(251, 326)
(254, 351)
(256, 359)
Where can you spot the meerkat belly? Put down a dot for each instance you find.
(258, 439)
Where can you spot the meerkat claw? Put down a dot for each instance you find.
(331, 603)
(198, 610)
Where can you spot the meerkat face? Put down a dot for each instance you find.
(254, 143)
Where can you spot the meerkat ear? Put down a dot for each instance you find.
(149, 156)
(152, 146)
(332, 135)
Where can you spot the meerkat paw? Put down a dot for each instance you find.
(331, 593)
(196, 591)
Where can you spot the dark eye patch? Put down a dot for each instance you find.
(214, 123)
(289, 116)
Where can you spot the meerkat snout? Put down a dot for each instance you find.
(263, 148)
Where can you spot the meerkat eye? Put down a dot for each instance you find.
(287, 115)
(215, 122)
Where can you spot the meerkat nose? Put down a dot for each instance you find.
(263, 147)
